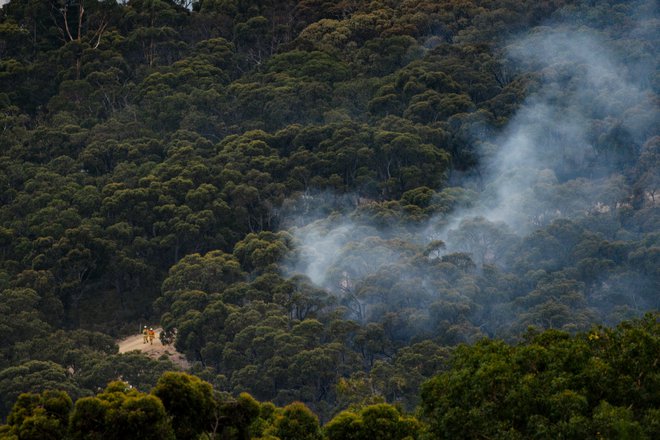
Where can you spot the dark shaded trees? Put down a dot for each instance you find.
(189, 401)
(120, 412)
(151, 156)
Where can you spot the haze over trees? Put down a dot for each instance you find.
(353, 210)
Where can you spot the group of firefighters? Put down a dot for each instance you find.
(148, 335)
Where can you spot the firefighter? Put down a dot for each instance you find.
(145, 335)
(152, 335)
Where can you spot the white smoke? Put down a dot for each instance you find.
(551, 161)
(545, 165)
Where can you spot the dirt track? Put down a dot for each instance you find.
(155, 350)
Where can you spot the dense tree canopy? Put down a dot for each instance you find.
(599, 383)
(325, 204)
(551, 386)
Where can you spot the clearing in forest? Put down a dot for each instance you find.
(155, 350)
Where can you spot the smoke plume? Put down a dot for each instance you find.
(559, 156)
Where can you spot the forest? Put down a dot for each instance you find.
(388, 219)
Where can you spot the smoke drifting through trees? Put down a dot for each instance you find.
(144, 167)
(556, 158)
(568, 153)
(554, 143)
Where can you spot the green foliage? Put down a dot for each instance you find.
(20, 320)
(136, 368)
(296, 421)
(599, 383)
(375, 421)
(161, 160)
(33, 377)
(238, 416)
(120, 412)
(550, 385)
(40, 416)
(189, 401)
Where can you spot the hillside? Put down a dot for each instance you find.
(332, 202)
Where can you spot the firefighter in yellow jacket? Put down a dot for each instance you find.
(145, 335)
